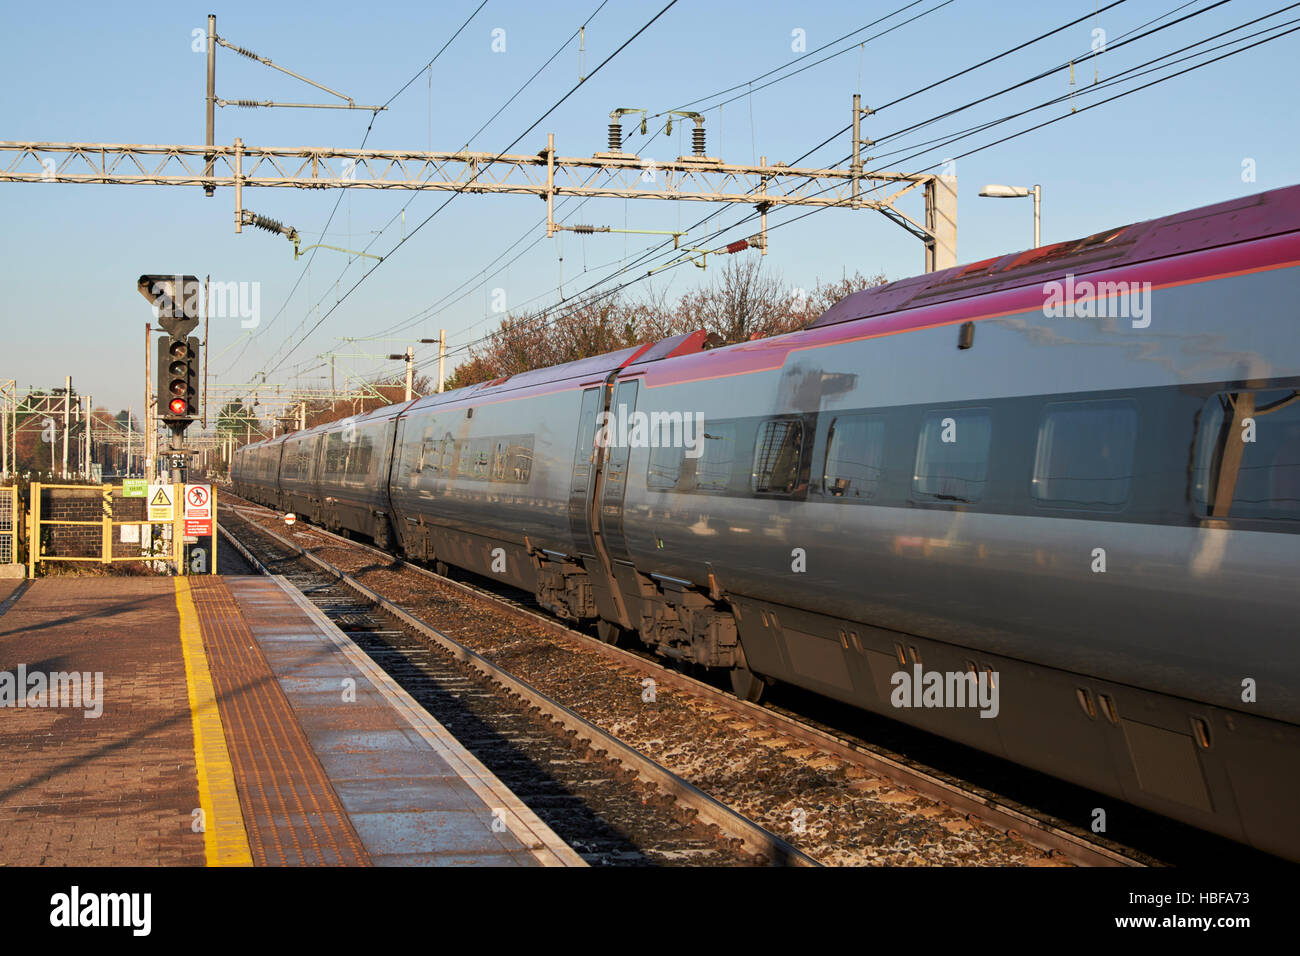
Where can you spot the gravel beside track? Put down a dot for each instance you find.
(830, 808)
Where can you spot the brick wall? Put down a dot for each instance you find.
(87, 504)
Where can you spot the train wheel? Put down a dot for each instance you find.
(609, 633)
(747, 685)
(440, 568)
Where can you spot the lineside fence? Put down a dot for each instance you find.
(161, 527)
(10, 525)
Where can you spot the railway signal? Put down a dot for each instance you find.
(178, 380)
(175, 299)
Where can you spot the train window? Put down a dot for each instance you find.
(952, 455)
(335, 454)
(359, 452)
(714, 466)
(855, 456)
(480, 455)
(1248, 456)
(423, 456)
(455, 457)
(512, 458)
(519, 459)
(777, 450)
(446, 460)
(1085, 454)
(665, 467)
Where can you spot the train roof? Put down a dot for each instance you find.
(589, 370)
(1238, 220)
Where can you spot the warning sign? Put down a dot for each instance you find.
(198, 510)
(161, 506)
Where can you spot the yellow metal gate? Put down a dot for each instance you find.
(101, 524)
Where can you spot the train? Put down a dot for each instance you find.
(1063, 483)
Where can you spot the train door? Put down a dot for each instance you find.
(582, 486)
(584, 489)
(614, 482)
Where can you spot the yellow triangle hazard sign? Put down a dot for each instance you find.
(161, 500)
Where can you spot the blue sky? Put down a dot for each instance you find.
(89, 73)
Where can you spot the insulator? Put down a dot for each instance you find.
(615, 138)
(265, 222)
(697, 140)
(248, 53)
(738, 246)
(247, 104)
(584, 230)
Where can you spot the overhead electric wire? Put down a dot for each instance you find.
(407, 323)
(1164, 61)
(750, 82)
(831, 56)
(339, 199)
(926, 88)
(1033, 79)
(407, 204)
(479, 173)
(578, 295)
(814, 52)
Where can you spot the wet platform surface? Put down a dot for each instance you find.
(238, 725)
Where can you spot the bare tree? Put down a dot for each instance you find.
(743, 303)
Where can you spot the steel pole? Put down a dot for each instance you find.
(856, 168)
(146, 419)
(209, 190)
(90, 425)
(1038, 203)
(442, 357)
(67, 415)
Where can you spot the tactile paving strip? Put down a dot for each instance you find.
(291, 812)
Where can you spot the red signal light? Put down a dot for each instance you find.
(178, 406)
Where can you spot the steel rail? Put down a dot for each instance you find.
(989, 810)
(709, 810)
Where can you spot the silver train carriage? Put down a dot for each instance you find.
(1071, 473)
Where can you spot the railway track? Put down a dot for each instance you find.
(614, 806)
(827, 794)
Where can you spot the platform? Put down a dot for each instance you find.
(227, 721)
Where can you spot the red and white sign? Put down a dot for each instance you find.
(290, 518)
(198, 510)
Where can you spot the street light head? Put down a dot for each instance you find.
(1005, 192)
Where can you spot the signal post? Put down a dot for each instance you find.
(176, 299)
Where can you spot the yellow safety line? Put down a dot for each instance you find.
(225, 843)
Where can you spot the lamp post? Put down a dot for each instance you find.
(1018, 192)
